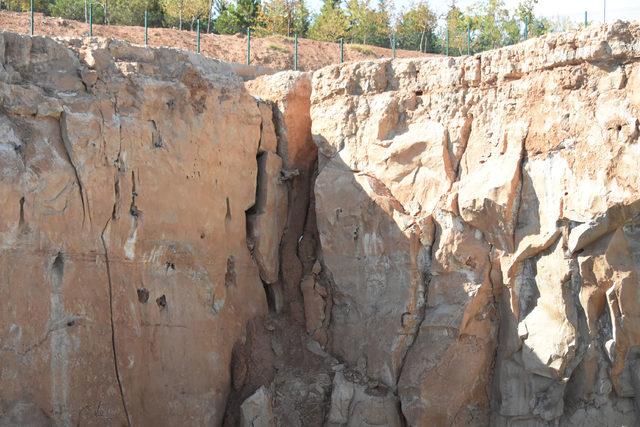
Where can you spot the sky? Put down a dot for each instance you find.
(628, 10)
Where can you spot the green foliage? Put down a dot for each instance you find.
(416, 28)
(177, 12)
(116, 12)
(25, 5)
(285, 17)
(368, 25)
(331, 24)
(71, 9)
(236, 17)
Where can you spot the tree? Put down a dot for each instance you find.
(284, 17)
(25, 5)
(366, 25)
(177, 11)
(415, 28)
(233, 18)
(489, 24)
(331, 24)
(537, 25)
(456, 27)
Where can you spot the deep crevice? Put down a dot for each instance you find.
(113, 330)
(66, 144)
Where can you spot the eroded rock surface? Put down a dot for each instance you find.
(464, 249)
(125, 275)
(478, 218)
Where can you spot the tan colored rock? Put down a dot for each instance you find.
(524, 159)
(458, 329)
(268, 141)
(290, 91)
(367, 251)
(266, 219)
(126, 278)
(290, 94)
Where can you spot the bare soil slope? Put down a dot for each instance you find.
(275, 52)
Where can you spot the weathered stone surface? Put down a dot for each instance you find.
(475, 260)
(125, 277)
(266, 219)
(354, 404)
(290, 94)
(257, 410)
(522, 159)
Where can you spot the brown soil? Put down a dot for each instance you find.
(275, 52)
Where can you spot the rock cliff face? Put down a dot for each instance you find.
(424, 242)
(478, 217)
(126, 278)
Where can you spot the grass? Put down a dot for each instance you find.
(278, 48)
(362, 49)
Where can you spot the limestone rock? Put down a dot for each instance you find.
(266, 219)
(290, 93)
(354, 404)
(522, 159)
(123, 258)
(268, 141)
(257, 410)
(314, 295)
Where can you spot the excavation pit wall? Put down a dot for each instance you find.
(444, 241)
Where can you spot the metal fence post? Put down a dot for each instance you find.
(447, 41)
(586, 22)
(90, 19)
(198, 36)
(341, 50)
(248, 46)
(468, 38)
(393, 46)
(146, 28)
(32, 25)
(295, 52)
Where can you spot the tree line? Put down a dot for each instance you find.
(486, 24)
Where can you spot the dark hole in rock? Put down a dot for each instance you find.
(170, 265)
(230, 275)
(418, 93)
(71, 322)
(143, 295)
(58, 265)
(21, 219)
(619, 128)
(161, 301)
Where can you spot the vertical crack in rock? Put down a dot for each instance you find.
(119, 169)
(423, 292)
(68, 147)
(21, 221)
(111, 321)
